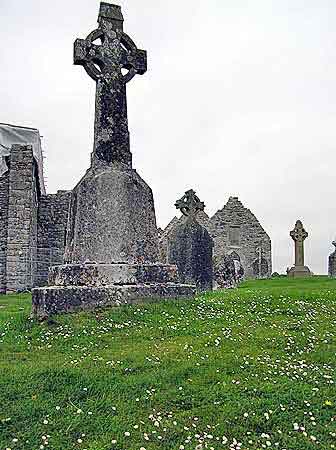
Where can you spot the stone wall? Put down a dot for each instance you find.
(236, 229)
(53, 213)
(33, 227)
(22, 219)
(4, 186)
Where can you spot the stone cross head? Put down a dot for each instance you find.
(189, 204)
(115, 54)
(299, 234)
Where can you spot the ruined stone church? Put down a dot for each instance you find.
(236, 232)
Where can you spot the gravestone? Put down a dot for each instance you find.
(111, 242)
(332, 262)
(190, 245)
(299, 234)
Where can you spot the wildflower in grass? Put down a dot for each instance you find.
(127, 433)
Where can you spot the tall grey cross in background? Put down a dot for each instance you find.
(299, 234)
(106, 64)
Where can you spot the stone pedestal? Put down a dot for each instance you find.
(299, 272)
(111, 249)
(74, 287)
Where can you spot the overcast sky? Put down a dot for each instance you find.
(239, 99)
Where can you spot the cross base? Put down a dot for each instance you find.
(89, 286)
(299, 272)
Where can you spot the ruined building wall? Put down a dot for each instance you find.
(53, 213)
(4, 186)
(32, 227)
(22, 220)
(236, 229)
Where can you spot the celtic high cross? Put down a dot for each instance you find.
(111, 64)
(299, 234)
(190, 204)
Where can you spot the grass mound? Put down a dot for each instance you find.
(247, 368)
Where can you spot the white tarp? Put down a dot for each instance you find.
(12, 134)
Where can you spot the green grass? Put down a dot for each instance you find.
(248, 365)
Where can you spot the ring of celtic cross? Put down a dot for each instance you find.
(125, 55)
(189, 204)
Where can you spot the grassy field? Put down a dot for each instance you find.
(248, 368)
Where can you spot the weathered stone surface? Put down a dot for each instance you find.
(105, 64)
(22, 220)
(190, 245)
(299, 234)
(108, 274)
(54, 299)
(88, 286)
(332, 262)
(228, 271)
(112, 218)
(4, 194)
(53, 212)
(260, 264)
(32, 231)
(236, 229)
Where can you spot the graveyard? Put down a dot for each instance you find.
(249, 368)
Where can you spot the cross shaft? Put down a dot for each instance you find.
(105, 63)
(299, 234)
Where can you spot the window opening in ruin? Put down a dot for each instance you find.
(234, 235)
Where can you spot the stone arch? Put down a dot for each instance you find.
(234, 255)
